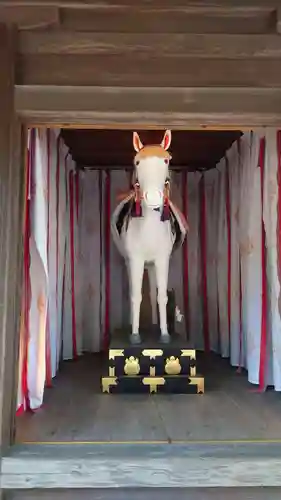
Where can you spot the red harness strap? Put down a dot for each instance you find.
(138, 198)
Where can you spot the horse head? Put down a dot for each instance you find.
(152, 179)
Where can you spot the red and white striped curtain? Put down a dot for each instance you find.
(51, 313)
(226, 277)
(238, 230)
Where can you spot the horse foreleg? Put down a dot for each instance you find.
(162, 270)
(136, 266)
(130, 287)
(153, 292)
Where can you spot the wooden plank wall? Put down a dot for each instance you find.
(10, 233)
(212, 58)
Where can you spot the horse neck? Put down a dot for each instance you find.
(149, 213)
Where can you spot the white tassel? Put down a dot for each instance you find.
(179, 316)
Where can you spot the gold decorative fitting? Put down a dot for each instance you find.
(199, 381)
(153, 382)
(192, 371)
(114, 353)
(172, 366)
(108, 382)
(152, 371)
(111, 371)
(132, 366)
(152, 353)
(190, 353)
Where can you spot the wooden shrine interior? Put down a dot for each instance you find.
(70, 62)
(113, 149)
(75, 410)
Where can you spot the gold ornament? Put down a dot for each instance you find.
(193, 371)
(153, 383)
(152, 353)
(113, 353)
(172, 366)
(107, 383)
(152, 371)
(199, 381)
(190, 353)
(132, 366)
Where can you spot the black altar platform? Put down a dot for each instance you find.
(151, 366)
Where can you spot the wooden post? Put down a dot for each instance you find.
(10, 234)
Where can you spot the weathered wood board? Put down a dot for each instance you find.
(10, 234)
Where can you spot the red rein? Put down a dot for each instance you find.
(166, 211)
(138, 197)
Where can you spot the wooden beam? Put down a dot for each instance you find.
(132, 19)
(149, 107)
(100, 165)
(221, 493)
(30, 17)
(134, 71)
(109, 4)
(123, 140)
(143, 466)
(10, 235)
(151, 45)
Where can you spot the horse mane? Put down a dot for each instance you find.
(152, 150)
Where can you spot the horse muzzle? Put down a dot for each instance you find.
(153, 198)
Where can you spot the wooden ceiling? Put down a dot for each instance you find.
(195, 150)
(147, 63)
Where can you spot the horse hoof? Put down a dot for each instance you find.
(135, 338)
(165, 338)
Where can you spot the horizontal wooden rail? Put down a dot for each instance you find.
(150, 107)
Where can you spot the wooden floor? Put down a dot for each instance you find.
(75, 410)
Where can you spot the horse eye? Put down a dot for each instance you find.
(166, 161)
(137, 162)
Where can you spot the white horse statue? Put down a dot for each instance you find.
(147, 227)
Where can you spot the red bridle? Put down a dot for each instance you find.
(166, 196)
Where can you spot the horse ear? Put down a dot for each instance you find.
(166, 142)
(137, 142)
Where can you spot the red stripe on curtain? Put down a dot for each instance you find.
(48, 192)
(57, 216)
(72, 264)
(228, 222)
(240, 283)
(185, 255)
(203, 240)
(218, 320)
(20, 410)
(107, 200)
(26, 274)
(240, 316)
(279, 205)
(62, 309)
(77, 193)
(48, 346)
(262, 381)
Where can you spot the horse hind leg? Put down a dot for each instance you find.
(162, 270)
(153, 292)
(136, 267)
